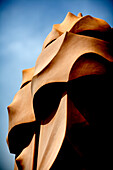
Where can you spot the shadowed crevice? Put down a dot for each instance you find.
(46, 100)
(20, 137)
(50, 42)
(106, 36)
(37, 133)
(92, 96)
(24, 84)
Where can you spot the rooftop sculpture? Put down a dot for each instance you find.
(59, 116)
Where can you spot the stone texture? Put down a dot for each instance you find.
(61, 115)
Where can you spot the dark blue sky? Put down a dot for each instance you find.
(24, 24)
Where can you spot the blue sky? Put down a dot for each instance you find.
(24, 24)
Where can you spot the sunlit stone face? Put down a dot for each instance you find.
(57, 115)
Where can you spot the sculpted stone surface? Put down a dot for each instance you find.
(61, 115)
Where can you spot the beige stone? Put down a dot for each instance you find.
(63, 96)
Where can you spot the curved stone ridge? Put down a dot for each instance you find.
(57, 115)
